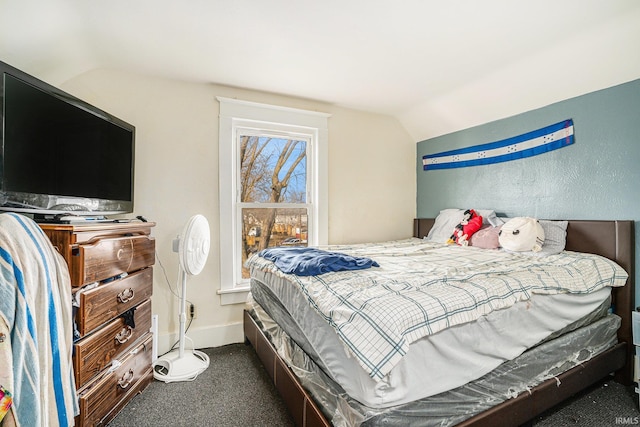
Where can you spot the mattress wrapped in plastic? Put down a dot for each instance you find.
(455, 356)
(465, 310)
(544, 361)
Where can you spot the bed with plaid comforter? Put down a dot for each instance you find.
(424, 287)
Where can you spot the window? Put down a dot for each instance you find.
(273, 190)
(272, 204)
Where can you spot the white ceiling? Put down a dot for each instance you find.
(438, 66)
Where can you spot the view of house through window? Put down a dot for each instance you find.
(272, 205)
(273, 173)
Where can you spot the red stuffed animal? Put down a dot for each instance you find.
(471, 222)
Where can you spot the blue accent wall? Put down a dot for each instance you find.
(598, 177)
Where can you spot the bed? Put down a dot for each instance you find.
(313, 385)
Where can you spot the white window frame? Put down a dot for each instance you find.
(237, 114)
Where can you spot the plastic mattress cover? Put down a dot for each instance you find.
(545, 361)
(457, 355)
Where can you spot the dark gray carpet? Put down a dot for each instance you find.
(236, 391)
(605, 404)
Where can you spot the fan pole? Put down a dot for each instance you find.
(183, 310)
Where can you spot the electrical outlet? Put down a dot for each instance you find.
(192, 311)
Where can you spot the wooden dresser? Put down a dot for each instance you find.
(112, 278)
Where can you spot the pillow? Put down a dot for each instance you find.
(489, 217)
(555, 236)
(486, 237)
(447, 220)
(522, 234)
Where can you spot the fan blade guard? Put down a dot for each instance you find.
(194, 245)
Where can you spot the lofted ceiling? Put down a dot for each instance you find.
(437, 66)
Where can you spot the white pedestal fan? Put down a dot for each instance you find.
(193, 249)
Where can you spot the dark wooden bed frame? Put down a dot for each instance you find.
(612, 239)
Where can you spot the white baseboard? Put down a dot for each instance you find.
(210, 336)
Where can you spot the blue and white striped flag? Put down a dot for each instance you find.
(526, 145)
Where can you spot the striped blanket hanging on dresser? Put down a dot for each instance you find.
(35, 310)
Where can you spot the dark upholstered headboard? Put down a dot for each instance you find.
(612, 239)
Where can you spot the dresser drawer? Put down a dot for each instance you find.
(96, 351)
(96, 400)
(105, 258)
(101, 304)
(102, 399)
(137, 388)
(134, 365)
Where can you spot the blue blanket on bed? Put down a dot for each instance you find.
(312, 261)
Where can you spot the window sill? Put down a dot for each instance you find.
(237, 295)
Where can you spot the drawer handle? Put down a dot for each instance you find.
(126, 379)
(119, 254)
(126, 295)
(124, 335)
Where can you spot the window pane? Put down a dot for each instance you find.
(273, 170)
(268, 227)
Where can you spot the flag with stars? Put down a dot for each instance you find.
(526, 145)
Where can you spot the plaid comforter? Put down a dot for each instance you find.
(423, 287)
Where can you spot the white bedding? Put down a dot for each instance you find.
(455, 355)
(422, 288)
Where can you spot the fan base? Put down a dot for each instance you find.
(171, 367)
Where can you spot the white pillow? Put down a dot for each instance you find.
(522, 234)
(447, 220)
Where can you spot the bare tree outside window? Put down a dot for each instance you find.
(273, 189)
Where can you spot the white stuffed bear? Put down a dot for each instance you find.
(522, 234)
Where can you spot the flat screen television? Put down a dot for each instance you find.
(59, 154)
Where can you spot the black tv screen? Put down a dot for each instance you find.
(59, 153)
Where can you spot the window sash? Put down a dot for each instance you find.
(241, 131)
(294, 219)
(277, 121)
(296, 136)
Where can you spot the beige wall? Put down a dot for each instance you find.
(372, 183)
